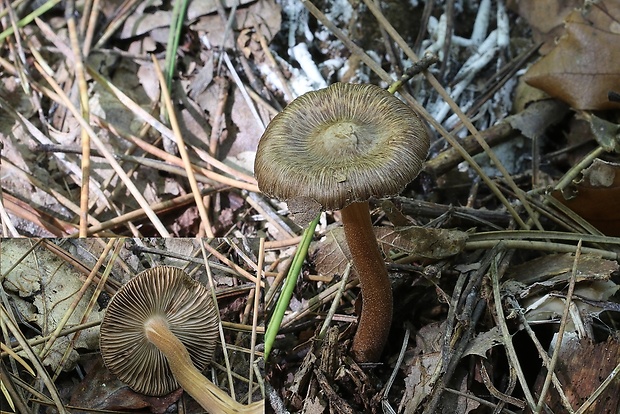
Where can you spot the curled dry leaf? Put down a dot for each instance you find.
(589, 301)
(596, 197)
(536, 279)
(484, 341)
(421, 242)
(554, 271)
(579, 381)
(582, 68)
(606, 133)
(332, 253)
(545, 17)
(42, 289)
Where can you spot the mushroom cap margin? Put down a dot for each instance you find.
(341, 144)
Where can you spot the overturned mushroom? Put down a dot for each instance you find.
(338, 147)
(159, 332)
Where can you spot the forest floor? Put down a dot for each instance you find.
(129, 124)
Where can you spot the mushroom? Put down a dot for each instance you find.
(159, 332)
(338, 147)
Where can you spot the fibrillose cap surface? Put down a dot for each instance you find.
(191, 315)
(339, 145)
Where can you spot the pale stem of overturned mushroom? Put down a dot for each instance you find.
(376, 316)
(207, 394)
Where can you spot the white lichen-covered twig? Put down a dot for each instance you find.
(304, 58)
(485, 47)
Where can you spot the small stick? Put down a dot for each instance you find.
(421, 65)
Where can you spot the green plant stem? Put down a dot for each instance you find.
(174, 38)
(542, 235)
(289, 286)
(539, 246)
(45, 7)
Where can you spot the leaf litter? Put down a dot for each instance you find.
(233, 75)
(40, 281)
(42, 291)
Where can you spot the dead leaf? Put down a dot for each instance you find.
(416, 382)
(579, 380)
(421, 364)
(536, 280)
(538, 117)
(139, 23)
(549, 308)
(607, 134)
(103, 391)
(49, 287)
(303, 209)
(203, 7)
(596, 197)
(555, 269)
(483, 342)
(315, 406)
(331, 254)
(263, 15)
(582, 68)
(545, 17)
(423, 242)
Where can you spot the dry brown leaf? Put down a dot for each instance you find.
(539, 280)
(538, 118)
(248, 131)
(580, 380)
(545, 17)
(607, 134)
(101, 390)
(264, 16)
(332, 253)
(417, 380)
(483, 342)
(423, 242)
(42, 289)
(558, 267)
(591, 298)
(420, 364)
(583, 67)
(203, 7)
(303, 210)
(555, 270)
(141, 21)
(596, 197)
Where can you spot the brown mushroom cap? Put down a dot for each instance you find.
(339, 145)
(187, 307)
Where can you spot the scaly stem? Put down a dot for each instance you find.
(207, 394)
(376, 317)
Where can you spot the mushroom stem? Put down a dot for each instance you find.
(376, 316)
(207, 394)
